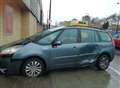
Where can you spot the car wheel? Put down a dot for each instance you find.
(103, 62)
(33, 67)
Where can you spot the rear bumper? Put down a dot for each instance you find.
(8, 66)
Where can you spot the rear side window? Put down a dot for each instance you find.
(89, 36)
(104, 37)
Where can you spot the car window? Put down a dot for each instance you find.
(116, 36)
(49, 38)
(104, 37)
(89, 36)
(96, 36)
(68, 36)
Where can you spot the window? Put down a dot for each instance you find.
(116, 36)
(104, 37)
(88, 36)
(68, 36)
(49, 38)
(119, 35)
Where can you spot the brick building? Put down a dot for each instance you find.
(19, 19)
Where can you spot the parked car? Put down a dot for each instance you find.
(116, 38)
(59, 48)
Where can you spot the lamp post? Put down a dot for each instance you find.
(49, 19)
(118, 17)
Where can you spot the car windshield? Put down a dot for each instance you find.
(40, 35)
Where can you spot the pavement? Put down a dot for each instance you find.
(87, 77)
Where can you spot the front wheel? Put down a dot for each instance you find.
(103, 62)
(33, 67)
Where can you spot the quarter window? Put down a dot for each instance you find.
(68, 36)
(104, 37)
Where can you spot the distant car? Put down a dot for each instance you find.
(59, 48)
(116, 38)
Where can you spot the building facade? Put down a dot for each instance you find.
(19, 19)
(86, 19)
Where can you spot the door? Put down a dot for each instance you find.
(64, 55)
(88, 47)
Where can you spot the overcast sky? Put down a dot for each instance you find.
(69, 9)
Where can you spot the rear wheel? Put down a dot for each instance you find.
(33, 67)
(103, 62)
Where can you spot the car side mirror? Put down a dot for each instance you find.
(57, 43)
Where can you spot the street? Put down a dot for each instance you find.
(87, 77)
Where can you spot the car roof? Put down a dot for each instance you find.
(65, 27)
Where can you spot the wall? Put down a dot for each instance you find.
(25, 24)
(20, 23)
(36, 8)
(29, 24)
(15, 25)
(33, 24)
(1, 21)
(39, 28)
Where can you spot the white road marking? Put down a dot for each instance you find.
(116, 71)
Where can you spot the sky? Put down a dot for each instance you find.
(63, 10)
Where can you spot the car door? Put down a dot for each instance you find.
(64, 55)
(88, 46)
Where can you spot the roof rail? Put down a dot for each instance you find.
(84, 26)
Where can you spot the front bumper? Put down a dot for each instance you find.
(9, 66)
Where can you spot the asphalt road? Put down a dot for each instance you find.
(87, 77)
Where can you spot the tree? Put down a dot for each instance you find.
(105, 25)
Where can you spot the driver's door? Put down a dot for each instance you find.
(65, 55)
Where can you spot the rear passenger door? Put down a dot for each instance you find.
(88, 47)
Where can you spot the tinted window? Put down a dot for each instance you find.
(119, 35)
(68, 36)
(89, 36)
(104, 37)
(49, 38)
(116, 36)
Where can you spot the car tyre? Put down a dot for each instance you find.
(103, 62)
(33, 67)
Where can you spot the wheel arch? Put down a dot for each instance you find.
(105, 53)
(35, 56)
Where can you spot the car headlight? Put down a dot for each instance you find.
(10, 51)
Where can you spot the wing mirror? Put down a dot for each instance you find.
(57, 43)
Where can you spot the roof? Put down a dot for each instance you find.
(64, 27)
